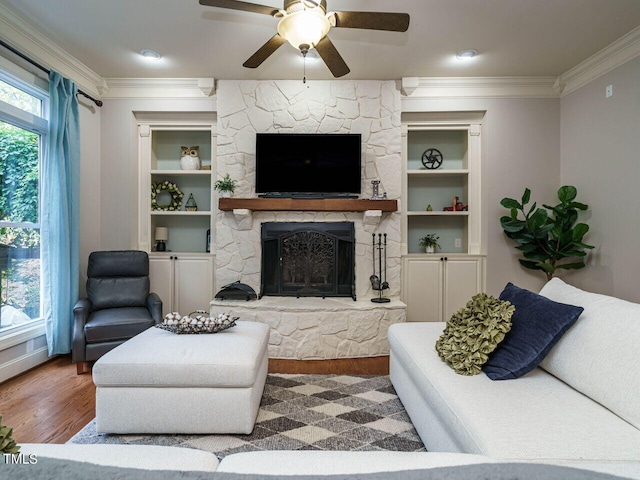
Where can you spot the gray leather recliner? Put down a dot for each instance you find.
(118, 304)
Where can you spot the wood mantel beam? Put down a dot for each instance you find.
(307, 204)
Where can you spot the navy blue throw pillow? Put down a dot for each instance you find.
(536, 326)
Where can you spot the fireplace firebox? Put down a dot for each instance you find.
(308, 259)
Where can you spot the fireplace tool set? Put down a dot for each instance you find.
(379, 282)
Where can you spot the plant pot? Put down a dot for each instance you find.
(224, 194)
(430, 249)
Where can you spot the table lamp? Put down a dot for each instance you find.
(162, 235)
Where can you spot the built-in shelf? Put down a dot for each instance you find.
(197, 213)
(306, 204)
(436, 213)
(439, 173)
(180, 172)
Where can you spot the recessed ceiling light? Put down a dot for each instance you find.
(150, 54)
(466, 54)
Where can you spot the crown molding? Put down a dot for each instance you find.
(479, 87)
(159, 87)
(17, 32)
(618, 53)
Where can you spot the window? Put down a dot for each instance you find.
(23, 129)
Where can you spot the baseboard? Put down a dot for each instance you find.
(23, 363)
(339, 366)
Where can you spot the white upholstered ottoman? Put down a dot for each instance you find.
(160, 382)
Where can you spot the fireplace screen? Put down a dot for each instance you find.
(308, 259)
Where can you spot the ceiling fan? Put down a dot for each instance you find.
(305, 24)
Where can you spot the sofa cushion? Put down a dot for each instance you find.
(118, 263)
(118, 278)
(473, 332)
(599, 355)
(145, 457)
(537, 418)
(116, 292)
(116, 324)
(283, 463)
(537, 325)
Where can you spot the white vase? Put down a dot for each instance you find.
(430, 249)
(225, 194)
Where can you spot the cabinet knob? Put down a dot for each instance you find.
(445, 259)
(442, 259)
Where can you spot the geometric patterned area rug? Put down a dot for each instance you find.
(304, 412)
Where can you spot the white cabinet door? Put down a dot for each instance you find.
(162, 280)
(424, 290)
(463, 279)
(435, 288)
(193, 283)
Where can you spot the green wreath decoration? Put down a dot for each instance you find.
(172, 189)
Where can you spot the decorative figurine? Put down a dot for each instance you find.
(457, 206)
(190, 159)
(376, 191)
(191, 206)
(429, 208)
(432, 158)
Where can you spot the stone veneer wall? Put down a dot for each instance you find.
(320, 329)
(371, 108)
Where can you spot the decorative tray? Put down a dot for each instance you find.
(196, 325)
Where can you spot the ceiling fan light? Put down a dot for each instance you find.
(306, 27)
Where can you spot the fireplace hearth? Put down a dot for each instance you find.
(308, 259)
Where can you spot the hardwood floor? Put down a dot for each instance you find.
(51, 403)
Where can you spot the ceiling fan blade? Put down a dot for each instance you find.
(331, 57)
(265, 51)
(237, 5)
(392, 22)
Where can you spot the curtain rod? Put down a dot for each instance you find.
(46, 70)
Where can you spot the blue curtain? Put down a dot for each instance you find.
(60, 216)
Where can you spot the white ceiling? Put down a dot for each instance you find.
(514, 37)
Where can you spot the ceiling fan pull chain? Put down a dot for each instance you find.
(304, 66)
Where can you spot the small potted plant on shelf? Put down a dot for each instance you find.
(226, 186)
(430, 242)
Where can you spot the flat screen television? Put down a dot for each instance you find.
(308, 164)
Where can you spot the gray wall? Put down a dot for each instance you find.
(520, 148)
(601, 157)
(119, 164)
(90, 185)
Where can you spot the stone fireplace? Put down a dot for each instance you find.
(308, 259)
(304, 325)
(370, 108)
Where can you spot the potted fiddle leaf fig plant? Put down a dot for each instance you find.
(226, 186)
(549, 238)
(430, 242)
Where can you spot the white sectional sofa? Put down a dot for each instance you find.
(138, 462)
(276, 463)
(580, 408)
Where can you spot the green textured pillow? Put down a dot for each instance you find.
(473, 332)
